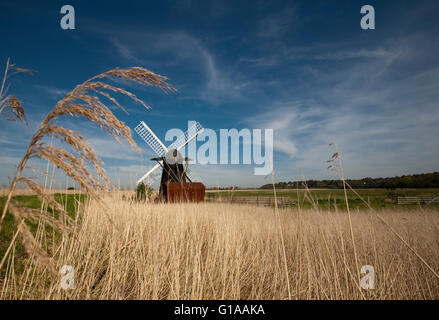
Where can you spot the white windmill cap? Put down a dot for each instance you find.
(174, 157)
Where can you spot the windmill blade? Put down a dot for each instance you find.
(152, 175)
(151, 139)
(155, 176)
(187, 137)
(160, 149)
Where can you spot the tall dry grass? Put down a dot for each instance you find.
(224, 251)
(76, 158)
(11, 107)
(127, 250)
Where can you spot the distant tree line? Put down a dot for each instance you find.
(425, 180)
(226, 188)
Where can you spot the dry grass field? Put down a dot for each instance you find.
(132, 250)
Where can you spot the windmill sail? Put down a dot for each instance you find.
(188, 136)
(160, 149)
(151, 139)
(152, 175)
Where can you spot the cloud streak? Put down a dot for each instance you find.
(382, 126)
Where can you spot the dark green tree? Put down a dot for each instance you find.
(143, 192)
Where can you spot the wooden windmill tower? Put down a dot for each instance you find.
(177, 182)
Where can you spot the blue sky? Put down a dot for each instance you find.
(304, 68)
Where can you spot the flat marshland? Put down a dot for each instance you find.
(136, 250)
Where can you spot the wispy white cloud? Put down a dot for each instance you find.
(277, 24)
(107, 147)
(329, 52)
(52, 91)
(178, 48)
(382, 114)
(9, 160)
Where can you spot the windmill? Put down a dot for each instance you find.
(171, 166)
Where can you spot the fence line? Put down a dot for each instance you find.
(418, 200)
(259, 201)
